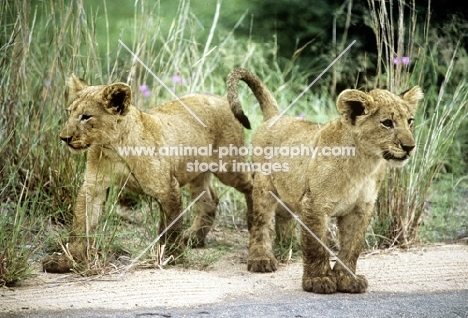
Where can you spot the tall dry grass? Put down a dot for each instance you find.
(41, 44)
(404, 57)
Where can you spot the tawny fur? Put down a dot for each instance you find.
(378, 125)
(102, 118)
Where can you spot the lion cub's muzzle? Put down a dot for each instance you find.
(68, 140)
(400, 156)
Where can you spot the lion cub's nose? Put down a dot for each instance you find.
(407, 148)
(66, 139)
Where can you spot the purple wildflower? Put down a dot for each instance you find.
(177, 79)
(145, 92)
(402, 60)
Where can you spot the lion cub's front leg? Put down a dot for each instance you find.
(88, 209)
(318, 276)
(352, 228)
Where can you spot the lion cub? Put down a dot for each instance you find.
(339, 176)
(102, 120)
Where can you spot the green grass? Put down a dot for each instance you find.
(43, 42)
(444, 216)
(405, 192)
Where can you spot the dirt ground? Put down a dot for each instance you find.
(419, 269)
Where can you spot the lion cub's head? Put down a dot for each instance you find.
(95, 113)
(382, 121)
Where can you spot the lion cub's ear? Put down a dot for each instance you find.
(352, 103)
(75, 84)
(117, 98)
(412, 96)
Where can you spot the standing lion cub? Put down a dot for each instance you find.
(338, 177)
(103, 120)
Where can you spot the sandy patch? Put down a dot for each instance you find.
(430, 268)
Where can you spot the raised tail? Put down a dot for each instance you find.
(268, 103)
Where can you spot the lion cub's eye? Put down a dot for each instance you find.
(387, 123)
(84, 117)
(411, 122)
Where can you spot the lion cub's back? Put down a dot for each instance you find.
(188, 116)
(287, 131)
(206, 107)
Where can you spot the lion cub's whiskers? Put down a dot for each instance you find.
(313, 235)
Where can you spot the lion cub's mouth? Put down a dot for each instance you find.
(388, 156)
(77, 149)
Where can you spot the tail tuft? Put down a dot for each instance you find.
(244, 120)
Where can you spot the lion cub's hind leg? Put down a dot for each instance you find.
(205, 209)
(261, 257)
(241, 181)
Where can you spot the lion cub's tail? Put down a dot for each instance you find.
(268, 103)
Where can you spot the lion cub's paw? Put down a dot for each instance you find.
(194, 241)
(178, 251)
(265, 265)
(348, 284)
(319, 285)
(57, 264)
(261, 261)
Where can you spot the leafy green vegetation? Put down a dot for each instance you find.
(192, 48)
